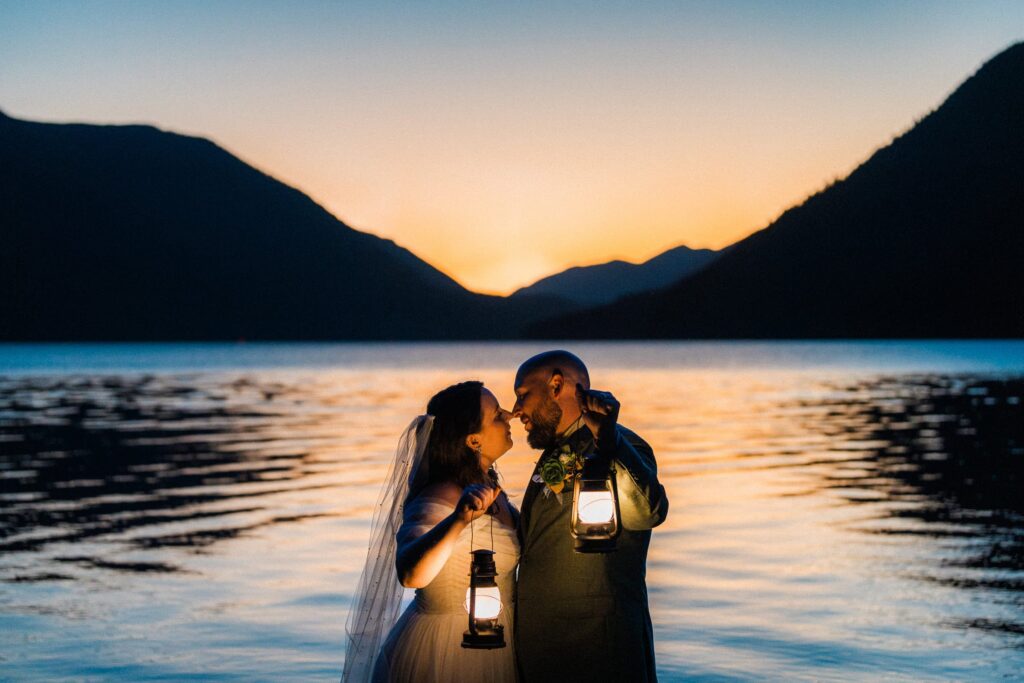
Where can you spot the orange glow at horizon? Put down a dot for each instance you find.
(503, 144)
(499, 223)
(499, 193)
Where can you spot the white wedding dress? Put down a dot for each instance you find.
(425, 645)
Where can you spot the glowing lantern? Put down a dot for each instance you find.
(483, 603)
(595, 509)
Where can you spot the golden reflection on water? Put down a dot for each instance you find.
(821, 525)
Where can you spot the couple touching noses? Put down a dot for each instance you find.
(564, 614)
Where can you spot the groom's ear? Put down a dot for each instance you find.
(556, 383)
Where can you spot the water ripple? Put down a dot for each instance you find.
(851, 526)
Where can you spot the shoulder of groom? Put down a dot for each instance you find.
(633, 437)
(635, 440)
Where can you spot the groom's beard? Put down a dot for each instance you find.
(545, 425)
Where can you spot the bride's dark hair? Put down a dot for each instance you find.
(456, 412)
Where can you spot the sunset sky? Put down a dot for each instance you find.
(504, 142)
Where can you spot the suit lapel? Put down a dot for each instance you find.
(582, 441)
(532, 490)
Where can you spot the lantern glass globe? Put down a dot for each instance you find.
(596, 507)
(488, 602)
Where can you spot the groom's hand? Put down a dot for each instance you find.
(475, 500)
(600, 411)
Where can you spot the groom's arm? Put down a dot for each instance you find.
(642, 500)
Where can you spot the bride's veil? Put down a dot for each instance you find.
(379, 595)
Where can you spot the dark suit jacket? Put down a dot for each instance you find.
(584, 617)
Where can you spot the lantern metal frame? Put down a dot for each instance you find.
(596, 475)
(483, 634)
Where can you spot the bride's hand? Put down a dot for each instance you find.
(475, 500)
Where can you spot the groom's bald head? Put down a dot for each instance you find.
(546, 395)
(558, 361)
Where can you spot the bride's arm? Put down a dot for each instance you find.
(425, 540)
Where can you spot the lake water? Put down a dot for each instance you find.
(839, 511)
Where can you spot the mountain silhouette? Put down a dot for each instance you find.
(606, 282)
(133, 233)
(924, 239)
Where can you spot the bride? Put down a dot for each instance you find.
(440, 498)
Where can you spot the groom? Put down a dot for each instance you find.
(582, 617)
